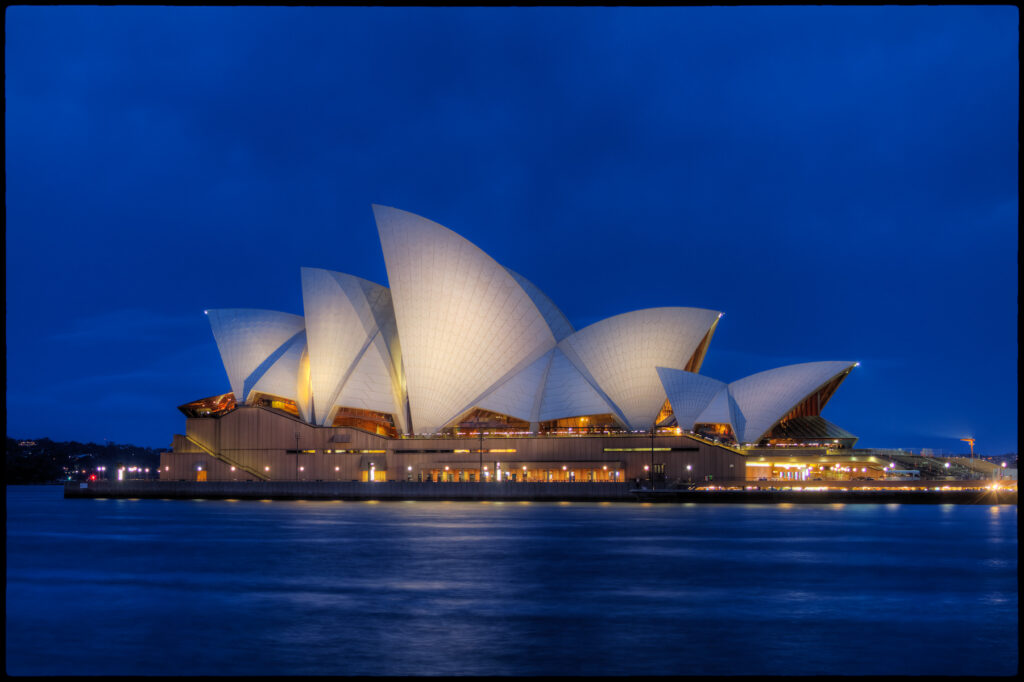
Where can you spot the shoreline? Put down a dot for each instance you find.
(517, 492)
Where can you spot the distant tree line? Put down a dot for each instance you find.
(42, 460)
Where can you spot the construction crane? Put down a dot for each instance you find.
(970, 441)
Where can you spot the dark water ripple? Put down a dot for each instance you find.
(205, 587)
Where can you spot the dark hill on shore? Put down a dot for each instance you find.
(43, 460)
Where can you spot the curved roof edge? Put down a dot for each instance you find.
(717, 315)
(689, 394)
(556, 319)
(465, 322)
(247, 338)
(766, 397)
(619, 354)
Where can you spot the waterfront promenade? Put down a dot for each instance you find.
(928, 492)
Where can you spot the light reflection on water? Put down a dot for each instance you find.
(152, 587)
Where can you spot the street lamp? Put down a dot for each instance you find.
(296, 455)
(689, 478)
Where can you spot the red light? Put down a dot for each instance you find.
(93, 477)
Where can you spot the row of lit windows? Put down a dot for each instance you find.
(381, 452)
(337, 452)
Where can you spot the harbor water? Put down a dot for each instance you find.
(161, 587)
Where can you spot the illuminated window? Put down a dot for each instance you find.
(491, 423)
(592, 423)
(213, 406)
(379, 423)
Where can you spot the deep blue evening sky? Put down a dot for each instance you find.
(841, 182)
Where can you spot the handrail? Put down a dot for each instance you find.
(217, 455)
(714, 443)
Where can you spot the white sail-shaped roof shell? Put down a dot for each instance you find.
(553, 315)
(689, 394)
(348, 322)
(619, 355)
(465, 323)
(567, 393)
(764, 398)
(721, 410)
(250, 342)
(550, 388)
(369, 386)
(520, 395)
(280, 378)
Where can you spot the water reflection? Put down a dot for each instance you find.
(473, 588)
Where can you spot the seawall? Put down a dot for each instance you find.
(534, 492)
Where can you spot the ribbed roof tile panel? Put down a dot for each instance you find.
(340, 322)
(303, 393)
(517, 396)
(280, 378)
(388, 344)
(736, 417)
(247, 337)
(556, 319)
(766, 397)
(717, 411)
(567, 393)
(369, 386)
(622, 352)
(463, 320)
(688, 393)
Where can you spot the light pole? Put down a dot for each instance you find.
(296, 455)
(652, 455)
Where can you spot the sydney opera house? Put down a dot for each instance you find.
(463, 370)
